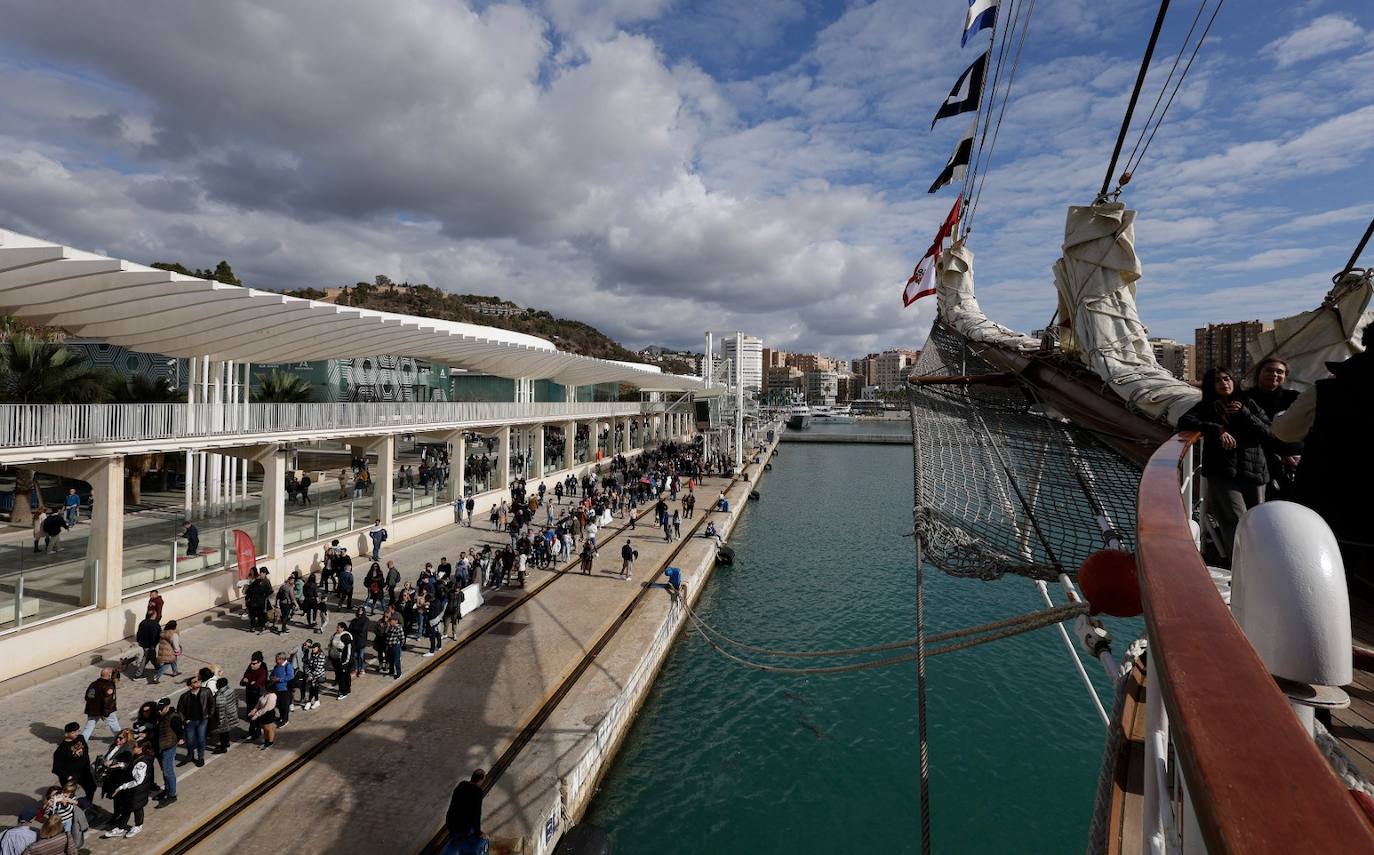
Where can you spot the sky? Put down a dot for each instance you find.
(661, 167)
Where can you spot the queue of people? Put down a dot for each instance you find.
(115, 786)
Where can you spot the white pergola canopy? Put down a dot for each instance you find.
(156, 311)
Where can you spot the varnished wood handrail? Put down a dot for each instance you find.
(1256, 779)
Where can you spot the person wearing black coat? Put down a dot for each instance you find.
(256, 596)
(358, 628)
(71, 760)
(1272, 398)
(149, 633)
(131, 797)
(1234, 431)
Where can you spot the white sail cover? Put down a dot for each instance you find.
(1096, 279)
(959, 308)
(1326, 334)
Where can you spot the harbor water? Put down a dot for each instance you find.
(723, 759)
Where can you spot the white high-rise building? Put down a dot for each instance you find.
(751, 360)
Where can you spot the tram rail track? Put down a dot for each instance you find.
(526, 733)
(222, 816)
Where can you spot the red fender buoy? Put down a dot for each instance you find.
(1108, 581)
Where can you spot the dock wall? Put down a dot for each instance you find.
(600, 710)
(846, 438)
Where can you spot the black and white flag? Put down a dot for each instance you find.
(957, 166)
(967, 91)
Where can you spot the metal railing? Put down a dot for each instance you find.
(33, 425)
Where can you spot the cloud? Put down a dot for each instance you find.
(1324, 35)
(652, 167)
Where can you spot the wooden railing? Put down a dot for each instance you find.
(1253, 779)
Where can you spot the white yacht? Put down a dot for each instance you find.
(799, 414)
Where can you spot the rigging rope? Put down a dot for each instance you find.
(1164, 88)
(1065, 612)
(1025, 623)
(1131, 169)
(1135, 94)
(1011, 13)
(921, 730)
(1002, 111)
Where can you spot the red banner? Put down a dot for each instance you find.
(246, 552)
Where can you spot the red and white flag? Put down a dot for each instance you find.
(922, 281)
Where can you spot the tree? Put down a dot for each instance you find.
(33, 371)
(281, 387)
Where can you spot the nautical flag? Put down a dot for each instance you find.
(922, 281)
(958, 162)
(982, 14)
(967, 91)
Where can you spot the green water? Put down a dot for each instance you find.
(727, 760)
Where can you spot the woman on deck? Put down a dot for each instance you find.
(1234, 431)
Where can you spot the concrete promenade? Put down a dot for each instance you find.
(385, 785)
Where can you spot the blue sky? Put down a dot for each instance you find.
(658, 168)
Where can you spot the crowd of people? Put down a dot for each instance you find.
(1269, 442)
(541, 525)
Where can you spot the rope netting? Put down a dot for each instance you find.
(1003, 485)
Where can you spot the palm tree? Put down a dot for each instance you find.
(140, 389)
(33, 371)
(281, 387)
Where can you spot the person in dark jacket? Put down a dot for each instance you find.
(132, 796)
(434, 622)
(101, 703)
(1270, 395)
(345, 577)
(256, 597)
(1234, 431)
(171, 732)
(310, 599)
(1332, 420)
(341, 659)
(464, 817)
(71, 760)
(148, 634)
(359, 628)
(53, 526)
(224, 715)
(194, 707)
(192, 535)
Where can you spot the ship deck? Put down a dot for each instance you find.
(1354, 726)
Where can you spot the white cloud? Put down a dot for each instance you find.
(1324, 35)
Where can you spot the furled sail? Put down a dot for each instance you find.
(1096, 280)
(958, 307)
(1326, 334)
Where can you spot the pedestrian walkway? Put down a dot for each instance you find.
(422, 741)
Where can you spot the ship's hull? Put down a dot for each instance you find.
(798, 422)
